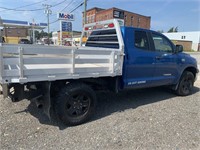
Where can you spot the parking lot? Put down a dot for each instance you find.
(141, 119)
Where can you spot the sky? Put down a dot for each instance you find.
(184, 14)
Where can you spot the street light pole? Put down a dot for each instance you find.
(48, 12)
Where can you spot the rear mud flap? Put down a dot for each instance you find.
(5, 90)
(47, 98)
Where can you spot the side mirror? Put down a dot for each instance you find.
(179, 48)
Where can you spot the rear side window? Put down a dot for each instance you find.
(103, 38)
(141, 40)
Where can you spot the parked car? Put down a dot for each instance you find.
(24, 41)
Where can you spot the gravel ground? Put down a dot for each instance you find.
(197, 56)
(140, 119)
(131, 120)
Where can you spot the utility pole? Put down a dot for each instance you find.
(48, 12)
(85, 9)
(33, 30)
(1, 32)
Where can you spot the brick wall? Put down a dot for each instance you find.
(187, 45)
(104, 15)
(136, 20)
(130, 19)
(15, 32)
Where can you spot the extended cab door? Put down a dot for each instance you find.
(165, 60)
(139, 66)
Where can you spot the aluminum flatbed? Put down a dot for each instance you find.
(30, 63)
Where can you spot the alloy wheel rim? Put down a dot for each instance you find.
(187, 84)
(78, 105)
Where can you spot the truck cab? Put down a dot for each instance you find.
(151, 59)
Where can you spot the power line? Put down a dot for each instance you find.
(20, 9)
(62, 10)
(67, 5)
(53, 21)
(79, 5)
(24, 5)
(59, 3)
(32, 9)
(7, 9)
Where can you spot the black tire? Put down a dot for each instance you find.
(185, 84)
(75, 103)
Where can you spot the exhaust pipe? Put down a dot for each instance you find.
(39, 103)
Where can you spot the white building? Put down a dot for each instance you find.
(186, 36)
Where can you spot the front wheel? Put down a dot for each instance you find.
(75, 103)
(185, 84)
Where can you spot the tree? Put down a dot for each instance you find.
(173, 29)
(37, 34)
(176, 29)
(160, 31)
(42, 34)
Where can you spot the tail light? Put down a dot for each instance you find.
(111, 25)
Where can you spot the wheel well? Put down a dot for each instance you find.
(193, 70)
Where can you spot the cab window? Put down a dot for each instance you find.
(161, 43)
(141, 40)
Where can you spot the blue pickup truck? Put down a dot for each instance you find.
(114, 57)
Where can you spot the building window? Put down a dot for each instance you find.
(183, 37)
(141, 40)
(132, 19)
(138, 23)
(125, 18)
(92, 18)
(139, 20)
(106, 17)
(118, 14)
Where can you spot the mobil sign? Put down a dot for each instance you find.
(65, 16)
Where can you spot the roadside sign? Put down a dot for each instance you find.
(65, 31)
(66, 26)
(65, 16)
(66, 35)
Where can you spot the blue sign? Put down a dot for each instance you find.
(43, 24)
(38, 24)
(66, 26)
(14, 22)
(65, 16)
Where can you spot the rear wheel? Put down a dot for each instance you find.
(185, 84)
(75, 103)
